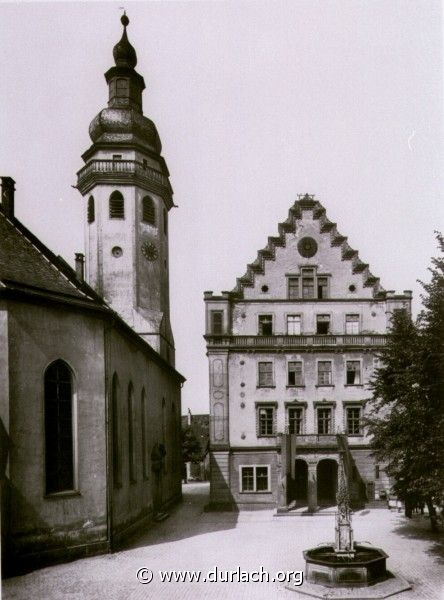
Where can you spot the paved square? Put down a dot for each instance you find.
(192, 539)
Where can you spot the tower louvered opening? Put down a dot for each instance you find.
(148, 211)
(116, 206)
(91, 215)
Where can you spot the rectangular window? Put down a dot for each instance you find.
(323, 324)
(265, 323)
(324, 372)
(295, 416)
(117, 157)
(307, 288)
(354, 420)
(293, 288)
(255, 478)
(265, 378)
(322, 287)
(351, 324)
(247, 479)
(376, 471)
(295, 373)
(266, 420)
(217, 322)
(353, 368)
(324, 421)
(293, 324)
(121, 87)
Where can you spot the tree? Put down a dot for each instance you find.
(191, 448)
(407, 416)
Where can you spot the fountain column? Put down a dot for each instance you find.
(312, 488)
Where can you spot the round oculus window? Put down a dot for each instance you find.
(307, 247)
(117, 251)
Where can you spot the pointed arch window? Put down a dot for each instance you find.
(59, 423)
(91, 216)
(165, 222)
(148, 210)
(116, 206)
(131, 445)
(116, 454)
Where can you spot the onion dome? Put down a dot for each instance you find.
(124, 54)
(123, 125)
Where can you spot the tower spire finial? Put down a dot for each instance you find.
(124, 54)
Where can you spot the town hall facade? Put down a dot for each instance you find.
(291, 350)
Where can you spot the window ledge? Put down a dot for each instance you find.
(266, 435)
(353, 385)
(259, 492)
(295, 386)
(325, 385)
(65, 494)
(355, 435)
(265, 386)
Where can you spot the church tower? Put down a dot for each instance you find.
(125, 183)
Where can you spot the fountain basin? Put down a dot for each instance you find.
(363, 567)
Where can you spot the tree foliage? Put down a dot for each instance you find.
(407, 415)
(191, 448)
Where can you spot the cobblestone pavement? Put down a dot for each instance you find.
(191, 539)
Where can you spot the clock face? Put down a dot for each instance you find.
(149, 251)
(307, 247)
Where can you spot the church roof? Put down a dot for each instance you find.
(27, 264)
(326, 227)
(28, 267)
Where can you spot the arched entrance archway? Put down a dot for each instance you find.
(300, 482)
(327, 481)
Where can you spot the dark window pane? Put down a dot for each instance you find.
(295, 420)
(324, 420)
(148, 211)
(261, 479)
(59, 464)
(265, 325)
(293, 288)
(295, 373)
(216, 322)
(91, 210)
(324, 373)
(266, 421)
(322, 287)
(247, 479)
(265, 374)
(322, 324)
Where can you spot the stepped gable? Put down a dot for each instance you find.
(307, 202)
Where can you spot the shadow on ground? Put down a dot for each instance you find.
(418, 528)
(186, 520)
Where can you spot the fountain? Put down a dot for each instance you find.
(353, 570)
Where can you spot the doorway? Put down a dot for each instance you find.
(300, 482)
(327, 481)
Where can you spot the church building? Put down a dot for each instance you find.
(291, 351)
(90, 400)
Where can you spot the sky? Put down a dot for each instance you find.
(255, 102)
